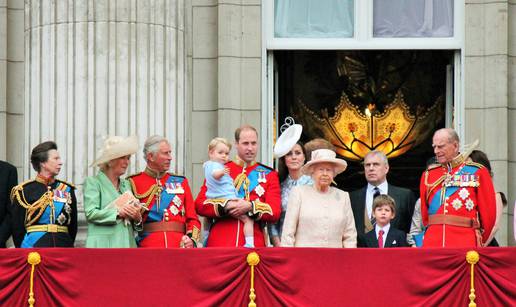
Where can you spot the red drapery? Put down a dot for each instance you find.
(284, 277)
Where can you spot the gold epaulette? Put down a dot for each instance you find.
(471, 163)
(18, 188)
(67, 183)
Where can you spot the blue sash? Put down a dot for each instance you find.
(435, 202)
(31, 238)
(253, 177)
(155, 214)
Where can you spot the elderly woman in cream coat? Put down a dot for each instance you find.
(111, 210)
(320, 215)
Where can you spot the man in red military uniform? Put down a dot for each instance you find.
(170, 219)
(457, 197)
(258, 187)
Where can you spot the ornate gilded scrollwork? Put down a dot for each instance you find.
(355, 132)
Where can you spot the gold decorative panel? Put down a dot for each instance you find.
(355, 132)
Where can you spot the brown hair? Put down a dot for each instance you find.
(318, 143)
(282, 166)
(239, 130)
(40, 154)
(384, 200)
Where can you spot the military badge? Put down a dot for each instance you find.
(175, 188)
(470, 204)
(177, 201)
(61, 219)
(61, 196)
(173, 210)
(261, 176)
(259, 190)
(463, 193)
(457, 204)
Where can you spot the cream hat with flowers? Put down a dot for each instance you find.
(325, 156)
(115, 147)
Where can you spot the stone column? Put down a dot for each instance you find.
(11, 82)
(511, 180)
(101, 67)
(225, 57)
(489, 115)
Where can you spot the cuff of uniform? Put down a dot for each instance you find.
(194, 235)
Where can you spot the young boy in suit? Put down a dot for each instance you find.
(383, 235)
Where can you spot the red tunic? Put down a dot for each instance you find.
(260, 185)
(175, 206)
(466, 192)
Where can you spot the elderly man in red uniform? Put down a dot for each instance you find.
(457, 197)
(258, 189)
(170, 219)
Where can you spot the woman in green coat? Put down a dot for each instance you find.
(112, 222)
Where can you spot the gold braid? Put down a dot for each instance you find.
(151, 193)
(37, 208)
(242, 180)
(435, 184)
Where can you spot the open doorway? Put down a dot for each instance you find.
(390, 100)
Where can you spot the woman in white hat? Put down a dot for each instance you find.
(108, 203)
(291, 154)
(320, 215)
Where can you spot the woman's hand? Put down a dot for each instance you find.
(131, 211)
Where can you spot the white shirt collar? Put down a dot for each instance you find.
(383, 187)
(385, 230)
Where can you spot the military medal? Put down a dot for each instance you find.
(177, 201)
(60, 196)
(169, 188)
(469, 204)
(261, 176)
(179, 188)
(173, 210)
(259, 190)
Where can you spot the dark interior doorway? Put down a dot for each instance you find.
(319, 79)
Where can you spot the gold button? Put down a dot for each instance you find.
(166, 218)
(445, 211)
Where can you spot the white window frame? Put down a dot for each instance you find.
(363, 40)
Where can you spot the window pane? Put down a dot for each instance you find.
(413, 18)
(313, 18)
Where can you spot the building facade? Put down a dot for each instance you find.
(75, 71)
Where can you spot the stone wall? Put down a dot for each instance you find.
(489, 92)
(224, 55)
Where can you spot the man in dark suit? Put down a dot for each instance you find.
(8, 179)
(383, 234)
(376, 167)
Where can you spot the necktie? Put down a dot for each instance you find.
(376, 192)
(380, 238)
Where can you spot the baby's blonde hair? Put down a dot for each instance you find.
(214, 142)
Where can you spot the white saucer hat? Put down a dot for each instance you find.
(287, 140)
(116, 147)
(325, 156)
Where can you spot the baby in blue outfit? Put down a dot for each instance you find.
(220, 185)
